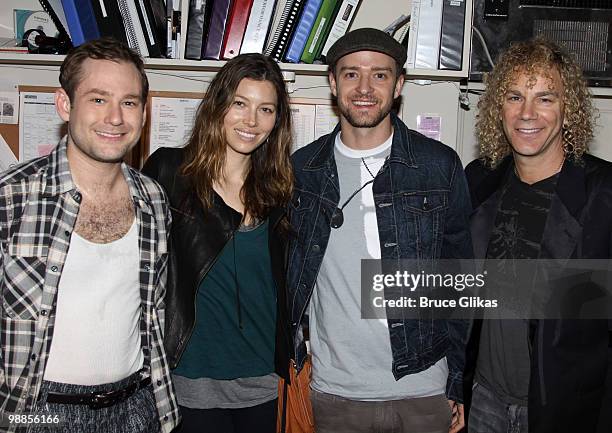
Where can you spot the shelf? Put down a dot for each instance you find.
(214, 65)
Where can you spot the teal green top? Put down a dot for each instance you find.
(235, 325)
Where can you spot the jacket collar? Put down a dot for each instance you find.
(401, 149)
(571, 185)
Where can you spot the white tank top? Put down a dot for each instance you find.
(96, 337)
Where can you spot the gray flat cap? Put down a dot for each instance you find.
(366, 39)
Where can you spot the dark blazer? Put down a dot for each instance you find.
(570, 358)
(197, 237)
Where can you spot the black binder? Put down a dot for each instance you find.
(286, 28)
(197, 27)
(148, 26)
(451, 38)
(108, 17)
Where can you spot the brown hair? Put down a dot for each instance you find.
(99, 49)
(269, 180)
(532, 58)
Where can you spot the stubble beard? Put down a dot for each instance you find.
(357, 121)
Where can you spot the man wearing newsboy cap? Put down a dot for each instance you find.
(374, 189)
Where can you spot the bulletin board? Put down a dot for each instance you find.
(311, 118)
(170, 120)
(10, 133)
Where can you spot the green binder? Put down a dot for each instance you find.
(320, 30)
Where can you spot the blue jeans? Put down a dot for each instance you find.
(489, 414)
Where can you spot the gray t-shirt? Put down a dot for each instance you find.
(351, 356)
(206, 393)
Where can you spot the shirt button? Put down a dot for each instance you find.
(43, 313)
(165, 417)
(66, 233)
(77, 197)
(53, 268)
(316, 248)
(147, 268)
(159, 383)
(33, 357)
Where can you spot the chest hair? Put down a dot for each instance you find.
(104, 220)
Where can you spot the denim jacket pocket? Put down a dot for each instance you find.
(425, 219)
(300, 204)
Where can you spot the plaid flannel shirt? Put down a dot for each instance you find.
(39, 204)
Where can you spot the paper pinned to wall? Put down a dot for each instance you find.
(326, 120)
(430, 125)
(40, 128)
(172, 120)
(7, 157)
(303, 118)
(9, 103)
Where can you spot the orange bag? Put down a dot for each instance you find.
(298, 415)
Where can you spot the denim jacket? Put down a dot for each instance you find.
(422, 210)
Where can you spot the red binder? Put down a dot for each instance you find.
(236, 25)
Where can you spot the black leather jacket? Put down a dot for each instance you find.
(197, 237)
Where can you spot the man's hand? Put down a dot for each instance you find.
(457, 419)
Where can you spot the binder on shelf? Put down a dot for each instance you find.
(287, 25)
(133, 30)
(147, 24)
(424, 38)
(341, 24)
(196, 28)
(56, 12)
(216, 30)
(451, 38)
(108, 18)
(236, 26)
(170, 29)
(275, 27)
(320, 30)
(81, 21)
(184, 15)
(302, 30)
(157, 12)
(257, 27)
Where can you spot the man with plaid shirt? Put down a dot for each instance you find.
(83, 265)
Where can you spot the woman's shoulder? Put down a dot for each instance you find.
(163, 161)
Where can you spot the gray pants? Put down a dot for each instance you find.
(334, 414)
(136, 414)
(489, 414)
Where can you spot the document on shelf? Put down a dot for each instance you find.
(40, 127)
(172, 120)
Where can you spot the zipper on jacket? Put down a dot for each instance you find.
(541, 362)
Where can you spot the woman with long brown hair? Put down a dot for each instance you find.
(226, 334)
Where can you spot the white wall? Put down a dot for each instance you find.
(601, 145)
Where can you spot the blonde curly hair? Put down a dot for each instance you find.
(534, 57)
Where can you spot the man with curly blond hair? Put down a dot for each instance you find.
(538, 194)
